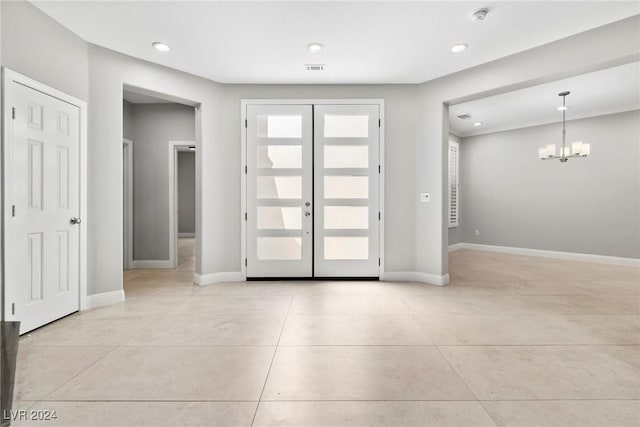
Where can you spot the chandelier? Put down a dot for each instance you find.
(578, 148)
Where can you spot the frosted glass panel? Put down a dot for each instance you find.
(279, 248)
(343, 126)
(346, 187)
(346, 156)
(346, 217)
(280, 126)
(277, 218)
(343, 248)
(279, 156)
(279, 187)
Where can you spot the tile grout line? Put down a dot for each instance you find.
(466, 385)
(275, 351)
(149, 322)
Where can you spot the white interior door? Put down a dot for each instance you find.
(279, 191)
(346, 176)
(42, 166)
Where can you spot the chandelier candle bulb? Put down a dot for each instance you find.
(576, 147)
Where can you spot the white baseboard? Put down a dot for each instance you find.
(105, 298)
(570, 256)
(186, 235)
(415, 276)
(225, 276)
(151, 263)
(456, 246)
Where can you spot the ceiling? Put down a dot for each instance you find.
(608, 91)
(365, 42)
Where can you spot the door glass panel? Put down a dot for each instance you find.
(346, 126)
(346, 156)
(346, 217)
(346, 248)
(279, 156)
(279, 187)
(279, 126)
(279, 248)
(346, 187)
(279, 218)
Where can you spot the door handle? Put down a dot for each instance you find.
(75, 220)
(307, 214)
(307, 204)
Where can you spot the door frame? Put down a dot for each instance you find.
(8, 77)
(174, 147)
(127, 167)
(243, 165)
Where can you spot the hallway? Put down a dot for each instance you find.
(511, 340)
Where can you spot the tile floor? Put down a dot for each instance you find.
(512, 341)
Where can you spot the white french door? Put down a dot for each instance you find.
(346, 231)
(312, 187)
(279, 191)
(42, 166)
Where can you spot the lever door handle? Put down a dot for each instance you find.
(307, 214)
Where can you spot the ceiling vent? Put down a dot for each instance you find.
(464, 116)
(314, 67)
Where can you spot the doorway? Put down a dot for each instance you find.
(313, 194)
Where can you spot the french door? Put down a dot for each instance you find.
(312, 190)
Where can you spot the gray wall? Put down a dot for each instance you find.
(591, 50)
(455, 233)
(35, 45)
(127, 120)
(154, 125)
(186, 192)
(400, 119)
(587, 205)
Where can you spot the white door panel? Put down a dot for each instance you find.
(346, 177)
(43, 247)
(279, 187)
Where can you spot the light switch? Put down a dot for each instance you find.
(425, 197)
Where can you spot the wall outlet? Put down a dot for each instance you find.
(477, 233)
(425, 197)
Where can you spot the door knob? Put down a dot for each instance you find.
(307, 214)
(307, 204)
(75, 220)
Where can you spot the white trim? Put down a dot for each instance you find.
(128, 215)
(151, 263)
(243, 163)
(9, 75)
(225, 276)
(456, 246)
(105, 298)
(187, 235)
(571, 256)
(416, 276)
(174, 146)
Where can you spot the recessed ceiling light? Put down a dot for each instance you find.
(457, 48)
(478, 124)
(162, 47)
(563, 108)
(315, 47)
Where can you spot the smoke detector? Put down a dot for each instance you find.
(479, 15)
